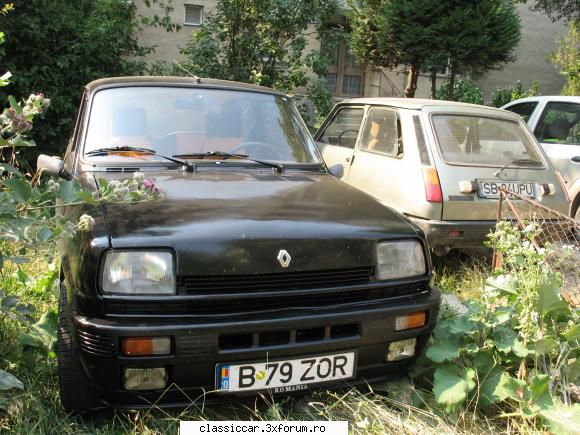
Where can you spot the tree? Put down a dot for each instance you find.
(567, 59)
(472, 36)
(259, 41)
(58, 46)
(567, 10)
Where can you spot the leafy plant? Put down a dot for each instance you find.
(519, 346)
(514, 92)
(465, 91)
(567, 59)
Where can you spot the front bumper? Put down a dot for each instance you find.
(198, 348)
(471, 234)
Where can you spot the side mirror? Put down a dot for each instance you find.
(52, 166)
(336, 170)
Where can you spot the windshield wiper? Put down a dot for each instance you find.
(103, 151)
(224, 155)
(526, 162)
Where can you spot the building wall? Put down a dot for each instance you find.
(168, 43)
(539, 37)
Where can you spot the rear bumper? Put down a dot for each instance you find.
(198, 348)
(472, 234)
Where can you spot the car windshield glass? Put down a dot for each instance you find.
(484, 141)
(196, 123)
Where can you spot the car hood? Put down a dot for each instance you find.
(238, 222)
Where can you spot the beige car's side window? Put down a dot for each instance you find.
(382, 132)
(344, 127)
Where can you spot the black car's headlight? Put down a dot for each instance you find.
(138, 273)
(400, 259)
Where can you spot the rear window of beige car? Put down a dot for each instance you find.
(471, 140)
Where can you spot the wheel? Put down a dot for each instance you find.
(268, 150)
(76, 393)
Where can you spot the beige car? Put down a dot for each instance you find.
(439, 163)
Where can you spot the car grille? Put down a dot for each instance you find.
(219, 284)
(271, 302)
(95, 344)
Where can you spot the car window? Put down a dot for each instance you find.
(525, 110)
(180, 120)
(344, 127)
(382, 132)
(473, 140)
(560, 123)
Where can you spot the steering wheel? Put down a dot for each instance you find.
(350, 130)
(268, 150)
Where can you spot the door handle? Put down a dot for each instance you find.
(576, 159)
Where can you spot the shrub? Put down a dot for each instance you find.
(465, 91)
(514, 92)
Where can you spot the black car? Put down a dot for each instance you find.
(257, 270)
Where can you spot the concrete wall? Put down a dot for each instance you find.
(539, 37)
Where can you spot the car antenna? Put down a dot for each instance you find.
(189, 73)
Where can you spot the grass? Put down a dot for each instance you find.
(395, 407)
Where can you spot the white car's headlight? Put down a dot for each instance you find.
(400, 260)
(139, 273)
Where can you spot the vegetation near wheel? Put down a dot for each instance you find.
(76, 393)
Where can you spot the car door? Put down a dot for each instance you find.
(558, 131)
(380, 167)
(337, 137)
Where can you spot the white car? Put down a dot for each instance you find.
(555, 121)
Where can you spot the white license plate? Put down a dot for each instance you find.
(287, 375)
(490, 189)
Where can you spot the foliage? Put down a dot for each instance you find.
(57, 48)
(519, 346)
(470, 36)
(567, 10)
(514, 92)
(263, 42)
(567, 59)
(465, 91)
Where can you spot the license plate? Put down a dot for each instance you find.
(490, 189)
(286, 375)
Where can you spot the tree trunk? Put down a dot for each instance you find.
(433, 83)
(412, 76)
(451, 89)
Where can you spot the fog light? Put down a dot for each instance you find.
(401, 349)
(410, 321)
(145, 379)
(143, 346)
(454, 233)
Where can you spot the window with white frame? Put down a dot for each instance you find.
(193, 15)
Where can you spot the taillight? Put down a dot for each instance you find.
(432, 184)
(563, 185)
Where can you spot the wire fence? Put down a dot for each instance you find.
(560, 234)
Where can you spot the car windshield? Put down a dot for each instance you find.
(188, 122)
(473, 140)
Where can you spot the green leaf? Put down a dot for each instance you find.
(549, 298)
(573, 332)
(8, 381)
(573, 371)
(506, 283)
(444, 349)
(497, 387)
(452, 384)
(519, 349)
(43, 332)
(483, 361)
(505, 339)
(14, 104)
(10, 301)
(563, 419)
(539, 393)
(87, 197)
(67, 191)
(44, 234)
(19, 188)
(545, 345)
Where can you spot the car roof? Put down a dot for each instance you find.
(562, 98)
(176, 81)
(429, 105)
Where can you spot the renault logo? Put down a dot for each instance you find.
(284, 258)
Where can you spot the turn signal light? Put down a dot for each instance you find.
(144, 346)
(410, 321)
(432, 184)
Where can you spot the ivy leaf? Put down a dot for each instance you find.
(452, 384)
(549, 298)
(19, 187)
(444, 350)
(497, 387)
(8, 381)
(545, 345)
(563, 419)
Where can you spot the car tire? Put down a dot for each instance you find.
(76, 393)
